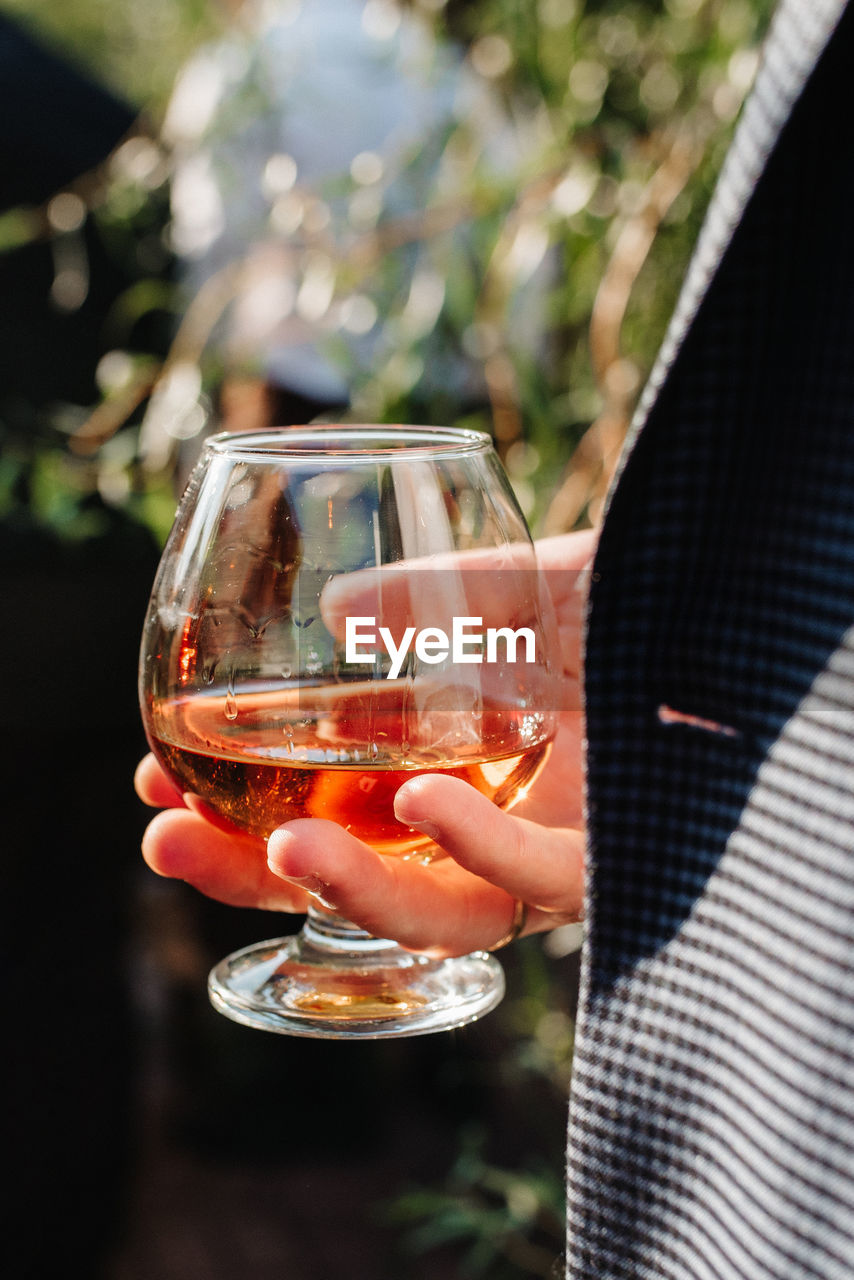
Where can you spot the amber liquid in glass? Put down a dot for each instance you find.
(259, 757)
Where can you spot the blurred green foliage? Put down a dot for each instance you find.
(627, 107)
(136, 50)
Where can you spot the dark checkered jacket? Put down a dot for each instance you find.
(712, 1110)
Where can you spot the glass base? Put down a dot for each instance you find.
(332, 981)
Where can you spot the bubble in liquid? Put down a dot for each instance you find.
(231, 708)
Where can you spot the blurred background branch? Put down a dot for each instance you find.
(525, 289)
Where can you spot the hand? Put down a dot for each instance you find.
(455, 905)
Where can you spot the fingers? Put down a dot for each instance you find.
(225, 865)
(440, 909)
(457, 905)
(556, 799)
(188, 842)
(400, 590)
(500, 586)
(567, 552)
(565, 562)
(450, 907)
(154, 788)
(544, 866)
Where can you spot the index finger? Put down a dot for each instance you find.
(543, 866)
(500, 587)
(494, 584)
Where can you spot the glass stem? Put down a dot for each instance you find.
(325, 930)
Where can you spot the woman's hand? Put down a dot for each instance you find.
(458, 904)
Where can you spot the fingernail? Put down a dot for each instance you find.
(312, 885)
(426, 828)
(424, 825)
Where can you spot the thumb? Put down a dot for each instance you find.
(542, 866)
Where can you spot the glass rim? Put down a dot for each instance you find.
(368, 440)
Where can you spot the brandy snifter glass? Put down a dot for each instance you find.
(337, 610)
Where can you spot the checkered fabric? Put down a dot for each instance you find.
(712, 1109)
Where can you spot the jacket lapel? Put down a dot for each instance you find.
(798, 34)
(713, 1022)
